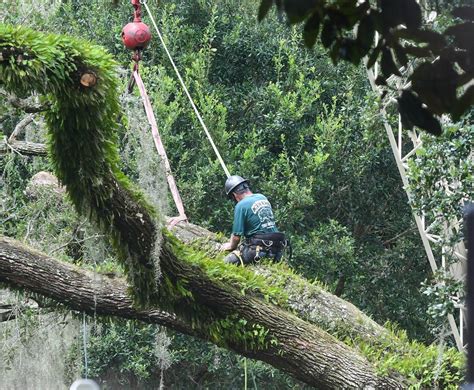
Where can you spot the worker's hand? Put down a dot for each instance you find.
(226, 247)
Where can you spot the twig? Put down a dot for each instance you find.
(399, 235)
(27, 106)
(76, 241)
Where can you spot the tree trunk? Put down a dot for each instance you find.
(302, 349)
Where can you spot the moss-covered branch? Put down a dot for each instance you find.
(82, 122)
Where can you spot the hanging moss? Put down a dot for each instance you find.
(82, 127)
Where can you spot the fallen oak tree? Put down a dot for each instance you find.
(81, 124)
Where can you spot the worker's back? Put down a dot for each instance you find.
(253, 215)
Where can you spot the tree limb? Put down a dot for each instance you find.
(302, 349)
(20, 127)
(22, 147)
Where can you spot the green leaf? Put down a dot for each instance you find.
(373, 56)
(412, 111)
(311, 30)
(298, 10)
(350, 50)
(435, 40)
(465, 60)
(265, 6)
(366, 33)
(380, 80)
(435, 83)
(328, 33)
(410, 13)
(406, 12)
(463, 103)
(388, 64)
(400, 55)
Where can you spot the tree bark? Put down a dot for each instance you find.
(309, 301)
(23, 147)
(303, 350)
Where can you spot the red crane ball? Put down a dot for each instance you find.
(136, 35)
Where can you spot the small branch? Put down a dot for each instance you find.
(22, 148)
(20, 127)
(76, 241)
(385, 243)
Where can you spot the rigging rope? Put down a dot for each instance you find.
(160, 148)
(221, 161)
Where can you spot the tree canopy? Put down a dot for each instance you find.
(444, 63)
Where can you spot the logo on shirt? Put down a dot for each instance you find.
(263, 209)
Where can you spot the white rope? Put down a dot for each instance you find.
(221, 161)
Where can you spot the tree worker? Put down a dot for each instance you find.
(254, 226)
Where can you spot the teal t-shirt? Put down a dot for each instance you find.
(252, 215)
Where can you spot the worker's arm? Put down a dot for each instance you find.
(232, 244)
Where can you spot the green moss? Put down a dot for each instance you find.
(244, 279)
(233, 329)
(82, 133)
(426, 367)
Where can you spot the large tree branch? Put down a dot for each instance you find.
(303, 350)
(310, 301)
(23, 148)
(76, 288)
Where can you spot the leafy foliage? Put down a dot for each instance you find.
(403, 35)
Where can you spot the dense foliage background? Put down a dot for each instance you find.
(305, 132)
